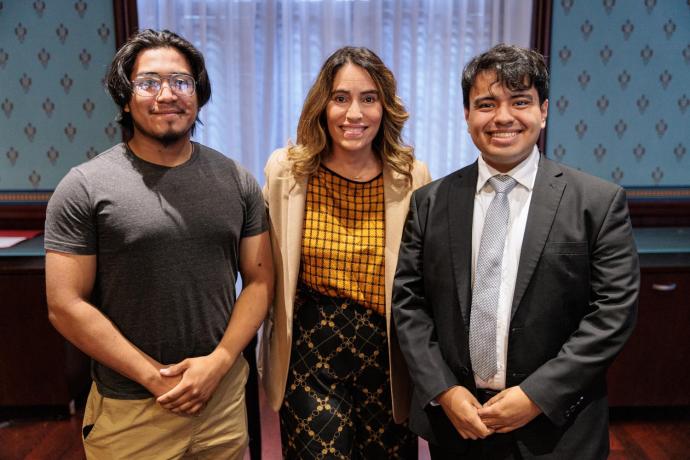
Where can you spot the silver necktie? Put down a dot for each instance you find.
(487, 280)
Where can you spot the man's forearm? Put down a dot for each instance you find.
(248, 313)
(89, 330)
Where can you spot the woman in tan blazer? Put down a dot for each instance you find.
(337, 200)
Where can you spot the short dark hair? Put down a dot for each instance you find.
(118, 77)
(516, 68)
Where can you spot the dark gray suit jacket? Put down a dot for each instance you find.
(574, 306)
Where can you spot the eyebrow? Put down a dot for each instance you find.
(156, 74)
(521, 94)
(347, 91)
(516, 95)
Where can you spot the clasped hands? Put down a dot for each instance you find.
(508, 410)
(185, 388)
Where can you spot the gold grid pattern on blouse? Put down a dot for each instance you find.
(344, 241)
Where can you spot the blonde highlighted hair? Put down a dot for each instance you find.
(313, 140)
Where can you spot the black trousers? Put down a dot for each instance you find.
(495, 447)
(337, 402)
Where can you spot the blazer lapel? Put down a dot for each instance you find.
(460, 203)
(396, 204)
(546, 196)
(295, 222)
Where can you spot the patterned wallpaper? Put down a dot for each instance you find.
(54, 111)
(620, 94)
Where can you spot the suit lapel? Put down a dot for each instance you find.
(546, 197)
(460, 202)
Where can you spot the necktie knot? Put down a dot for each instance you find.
(502, 183)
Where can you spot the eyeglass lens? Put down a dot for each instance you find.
(150, 85)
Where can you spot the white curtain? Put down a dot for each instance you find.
(263, 55)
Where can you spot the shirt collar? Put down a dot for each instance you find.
(525, 173)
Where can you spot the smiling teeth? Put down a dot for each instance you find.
(502, 134)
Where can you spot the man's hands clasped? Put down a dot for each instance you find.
(462, 408)
(508, 410)
(186, 387)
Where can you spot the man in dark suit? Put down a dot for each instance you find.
(514, 293)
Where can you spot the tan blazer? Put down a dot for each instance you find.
(285, 197)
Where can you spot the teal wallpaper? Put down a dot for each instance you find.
(54, 111)
(620, 94)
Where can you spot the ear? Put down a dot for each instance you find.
(544, 112)
(467, 114)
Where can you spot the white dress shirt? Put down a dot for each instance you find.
(519, 199)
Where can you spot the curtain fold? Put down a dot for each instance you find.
(263, 55)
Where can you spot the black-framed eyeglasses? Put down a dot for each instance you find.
(150, 85)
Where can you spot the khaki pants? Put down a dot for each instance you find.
(142, 429)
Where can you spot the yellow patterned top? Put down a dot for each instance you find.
(344, 241)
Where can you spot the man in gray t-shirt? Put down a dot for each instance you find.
(144, 244)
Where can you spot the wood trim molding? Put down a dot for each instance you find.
(126, 20)
(653, 213)
(541, 41)
(22, 216)
(541, 27)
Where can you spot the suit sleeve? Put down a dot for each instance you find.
(414, 318)
(558, 386)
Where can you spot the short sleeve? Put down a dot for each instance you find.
(70, 225)
(255, 219)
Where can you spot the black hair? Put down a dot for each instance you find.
(516, 68)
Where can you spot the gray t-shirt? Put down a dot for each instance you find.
(167, 244)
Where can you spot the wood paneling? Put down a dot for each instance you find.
(22, 217)
(652, 369)
(38, 367)
(541, 41)
(126, 20)
(655, 213)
